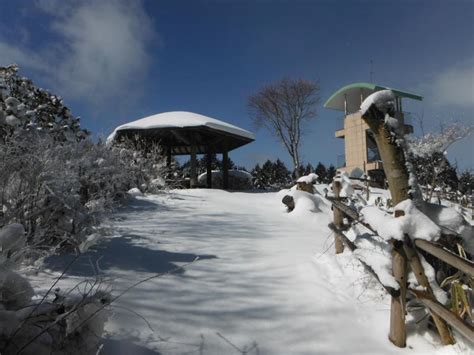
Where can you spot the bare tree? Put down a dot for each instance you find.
(283, 108)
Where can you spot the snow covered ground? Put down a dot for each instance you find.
(266, 282)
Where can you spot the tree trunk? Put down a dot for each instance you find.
(392, 155)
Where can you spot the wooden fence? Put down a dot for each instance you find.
(404, 256)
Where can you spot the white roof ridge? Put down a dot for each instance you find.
(181, 119)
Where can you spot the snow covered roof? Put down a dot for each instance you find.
(181, 119)
(355, 93)
(177, 129)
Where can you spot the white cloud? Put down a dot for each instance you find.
(102, 48)
(454, 86)
(10, 54)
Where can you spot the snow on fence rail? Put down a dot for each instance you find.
(404, 254)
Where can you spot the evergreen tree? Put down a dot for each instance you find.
(282, 175)
(466, 183)
(25, 106)
(321, 171)
(271, 175)
(260, 180)
(267, 171)
(298, 172)
(308, 169)
(330, 173)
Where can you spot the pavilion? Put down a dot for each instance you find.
(187, 133)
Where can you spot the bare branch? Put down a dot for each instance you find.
(283, 108)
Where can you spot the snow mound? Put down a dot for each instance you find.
(414, 223)
(135, 192)
(305, 202)
(384, 100)
(451, 222)
(180, 119)
(15, 290)
(238, 179)
(12, 238)
(377, 254)
(347, 189)
(309, 179)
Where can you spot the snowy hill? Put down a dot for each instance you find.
(267, 282)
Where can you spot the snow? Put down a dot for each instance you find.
(305, 203)
(181, 119)
(414, 223)
(308, 179)
(347, 190)
(242, 174)
(135, 192)
(376, 253)
(448, 219)
(12, 238)
(12, 120)
(432, 143)
(265, 279)
(383, 100)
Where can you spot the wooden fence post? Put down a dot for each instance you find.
(337, 217)
(397, 311)
(417, 268)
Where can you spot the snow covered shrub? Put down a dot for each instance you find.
(428, 157)
(54, 180)
(58, 190)
(25, 106)
(146, 163)
(69, 324)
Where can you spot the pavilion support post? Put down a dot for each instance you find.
(168, 162)
(168, 157)
(193, 173)
(225, 169)
(209, 170)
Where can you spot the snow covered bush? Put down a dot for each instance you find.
(66, 325)
(27, 107)
(146, 164)
(55, 185)
(428, 158)
(54, 180)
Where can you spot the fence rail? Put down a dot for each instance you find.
(405, 255)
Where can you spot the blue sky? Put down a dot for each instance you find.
(115, 61)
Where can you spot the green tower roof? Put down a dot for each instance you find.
(354, 92)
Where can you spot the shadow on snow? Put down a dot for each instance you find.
(123, 347)
(121, 253)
